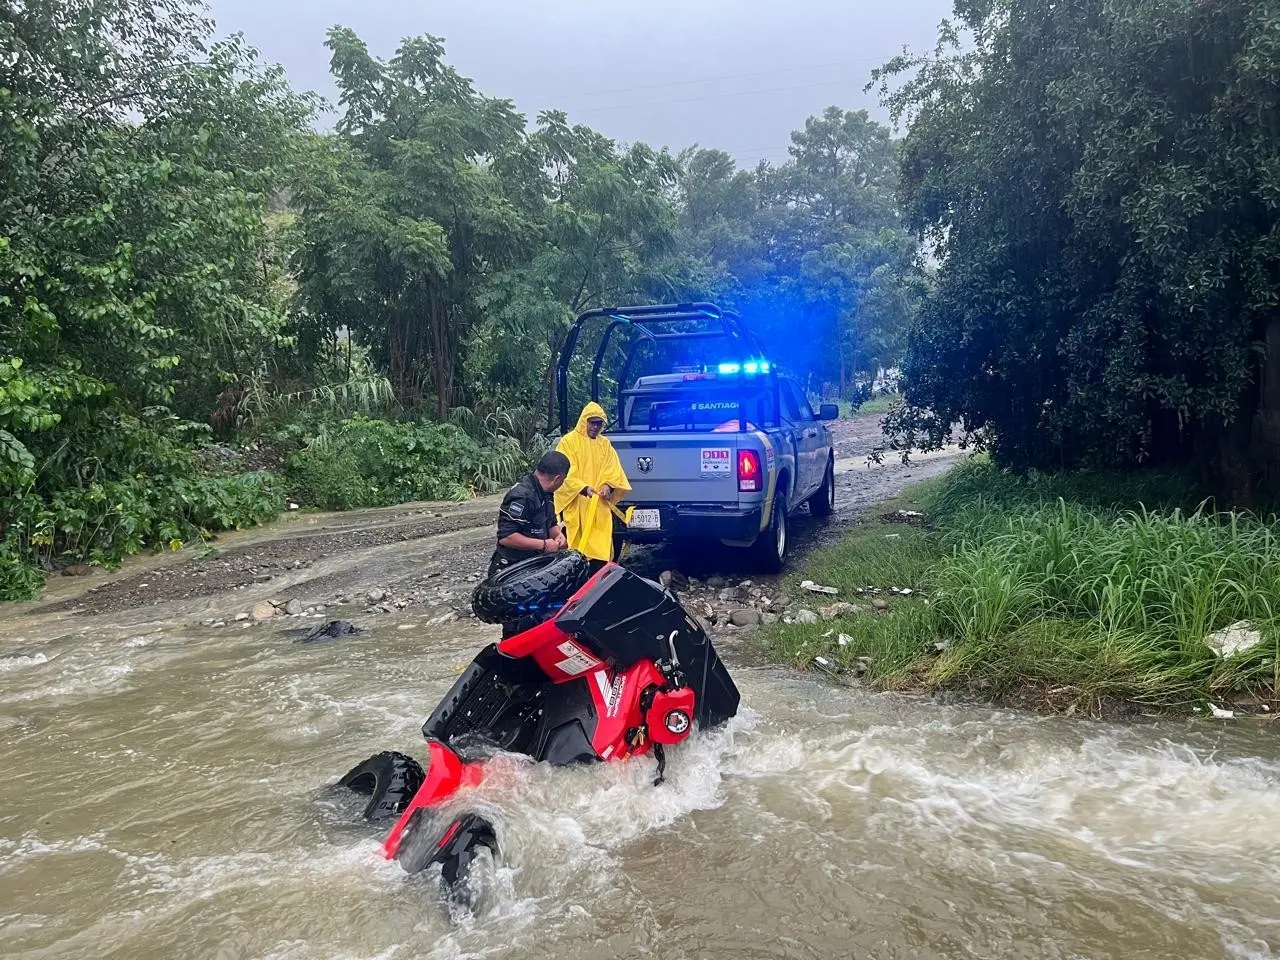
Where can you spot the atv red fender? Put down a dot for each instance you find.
(445, 775)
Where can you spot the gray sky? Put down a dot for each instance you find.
(739, 75)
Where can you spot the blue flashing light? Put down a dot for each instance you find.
(749, 368)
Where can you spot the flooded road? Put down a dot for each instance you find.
(166, 794)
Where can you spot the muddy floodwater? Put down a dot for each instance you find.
(167, 794)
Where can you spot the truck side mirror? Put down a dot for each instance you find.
(829, 411)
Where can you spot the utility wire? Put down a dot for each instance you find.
(727, 76)
(709, 96)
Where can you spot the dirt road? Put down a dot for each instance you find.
(419, 557)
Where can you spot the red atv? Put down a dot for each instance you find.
(609, 668)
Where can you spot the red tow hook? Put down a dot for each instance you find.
(446, 775)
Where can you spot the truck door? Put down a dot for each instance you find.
(810, 462)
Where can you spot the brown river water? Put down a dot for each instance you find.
(166, 793)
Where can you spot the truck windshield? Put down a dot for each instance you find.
(685, 409)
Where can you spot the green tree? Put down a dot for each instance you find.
(134, 274)
(1099, 181)
(813, 245)
(413, 207)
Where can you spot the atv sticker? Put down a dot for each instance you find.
(576, 659)
(612, 694)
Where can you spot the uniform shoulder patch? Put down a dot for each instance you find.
(516, 508)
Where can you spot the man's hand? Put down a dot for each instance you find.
(588, 492)
(606, 491)
(559, 537)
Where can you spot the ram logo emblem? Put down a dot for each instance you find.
(644, 463)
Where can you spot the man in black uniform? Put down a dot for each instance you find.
(527, 518)
(527, 522)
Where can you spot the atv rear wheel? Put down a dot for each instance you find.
(541, 583)
(389, 779)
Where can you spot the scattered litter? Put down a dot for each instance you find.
(1220, 714)
(293, 506)
(1237, 638)
(818, 588)
(844, 639)
(827, 667)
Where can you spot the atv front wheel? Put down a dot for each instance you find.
(389, 780)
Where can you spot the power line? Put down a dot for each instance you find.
(709, 96)
(727, 76)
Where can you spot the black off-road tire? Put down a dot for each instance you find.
(770, 548)
(544, 581)
(823, 502)
(389, 780)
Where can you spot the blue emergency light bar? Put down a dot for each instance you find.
(749, 367)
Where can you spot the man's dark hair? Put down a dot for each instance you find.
(554, 464)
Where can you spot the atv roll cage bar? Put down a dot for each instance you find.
(653, 324)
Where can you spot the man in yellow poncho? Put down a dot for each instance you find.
(595, 474)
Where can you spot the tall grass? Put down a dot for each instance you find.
(1087, 597)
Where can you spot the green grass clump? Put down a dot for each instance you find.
(1085, 600)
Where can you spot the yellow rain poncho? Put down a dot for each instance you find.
(592, 463)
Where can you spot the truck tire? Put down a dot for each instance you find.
(823, 503)
(770, 548)
(545, 581)
(388, 779)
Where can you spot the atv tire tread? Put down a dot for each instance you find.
(389, 779)
(546, 580)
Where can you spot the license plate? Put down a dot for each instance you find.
(646, 520)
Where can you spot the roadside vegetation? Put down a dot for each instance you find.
(209, 311)
(1091, 592)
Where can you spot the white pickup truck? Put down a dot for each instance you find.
(722, 448)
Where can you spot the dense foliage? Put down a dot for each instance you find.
(1101, 183)
(370, 312)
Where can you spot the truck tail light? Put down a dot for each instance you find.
(750, 476)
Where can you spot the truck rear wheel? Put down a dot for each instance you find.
(823, 503)
(770, 548)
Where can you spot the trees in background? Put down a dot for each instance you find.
(181, 255)
(1101, 183)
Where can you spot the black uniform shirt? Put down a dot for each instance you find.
(527, 509)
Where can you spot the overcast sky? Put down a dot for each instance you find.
(739, 75)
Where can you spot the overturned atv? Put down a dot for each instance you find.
(609, 668)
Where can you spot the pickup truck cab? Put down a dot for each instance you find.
(722, 449)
